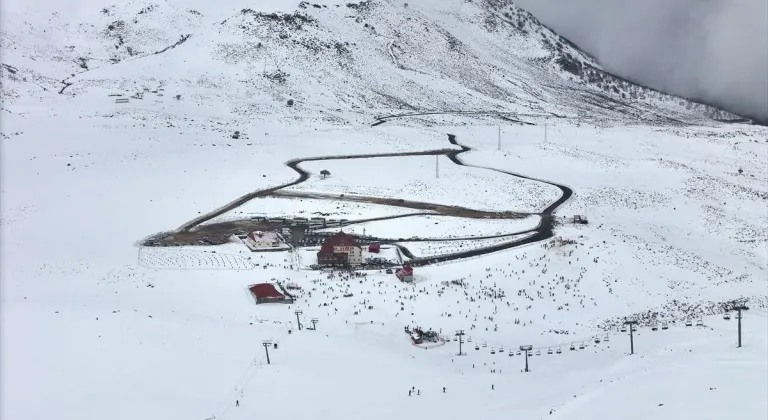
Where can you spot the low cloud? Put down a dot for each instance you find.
(711, 50)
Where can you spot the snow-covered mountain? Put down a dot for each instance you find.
(367, 56)
(461, 136)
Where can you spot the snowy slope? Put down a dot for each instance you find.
(374, 58)
(172, 333)
(93, 326)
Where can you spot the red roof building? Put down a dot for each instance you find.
(405, 274)
(268, 293)
(340, 249)
(375, 248)
(327, 256)
(341, 239)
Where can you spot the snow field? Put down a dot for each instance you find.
(440, 227)
(437, 248)
(98, 328)
(307, 207)
(191, 259)
(200, 340)
(413, 178)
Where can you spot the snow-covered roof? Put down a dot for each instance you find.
(267, 236)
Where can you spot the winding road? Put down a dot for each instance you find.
(195, 229)
(541, 232)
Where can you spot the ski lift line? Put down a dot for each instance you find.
(254, 365)
(246, 377)
(576, 340)
(217, 413)
(660, 324)
(243, 376)
(564, 343)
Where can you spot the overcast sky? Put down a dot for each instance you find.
(715, 50)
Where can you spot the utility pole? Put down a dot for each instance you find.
(266, 344)
(437, 166)
(460, 334)
(738, 316)
(499, 148)
(526, 349)
(314, 321)
(631, 337)
(298, 320)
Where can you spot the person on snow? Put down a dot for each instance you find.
(237, 403)
(443, 390)
(409, 392)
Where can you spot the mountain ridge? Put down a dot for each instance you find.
(367, 56)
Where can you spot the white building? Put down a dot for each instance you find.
(354, 254)
(268, 239)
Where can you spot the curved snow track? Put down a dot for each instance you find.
(541, 232)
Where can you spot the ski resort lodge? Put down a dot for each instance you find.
(340, 249)
(268, 293)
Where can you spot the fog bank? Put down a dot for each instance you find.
(712, 50)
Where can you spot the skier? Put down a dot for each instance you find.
(409, 392)
(237, 403)
(418, 392)
(492, 386)
(443, 390)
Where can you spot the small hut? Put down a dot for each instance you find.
(405, 274)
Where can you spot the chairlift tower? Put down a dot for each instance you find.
(298, 320)
(267, 344)
(314, 324)
(460, 336)
(526, 349)
(631, 336)
(739, 308)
